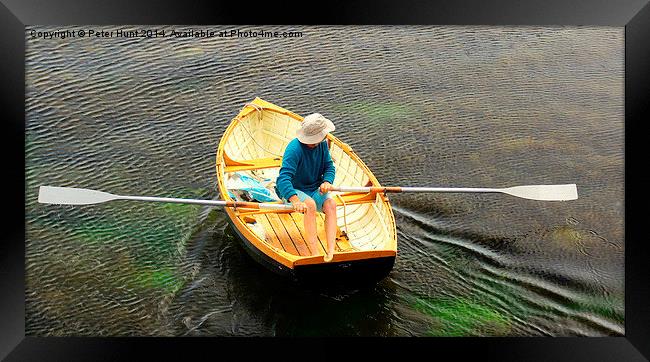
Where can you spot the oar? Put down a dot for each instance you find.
(77, 196)
(532, 192)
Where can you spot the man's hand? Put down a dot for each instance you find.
(297, 204)
(325, 187)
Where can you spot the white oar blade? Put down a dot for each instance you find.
(544, 192)
(72, 196)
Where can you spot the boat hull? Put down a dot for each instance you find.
(346, 273)
(251, 148)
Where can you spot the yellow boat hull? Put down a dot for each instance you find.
(366, 243)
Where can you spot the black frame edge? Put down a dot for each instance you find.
(637, 89)
(12, 247)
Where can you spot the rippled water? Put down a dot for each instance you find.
(422, 106)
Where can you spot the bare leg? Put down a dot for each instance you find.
(310, 226)
(329, 208)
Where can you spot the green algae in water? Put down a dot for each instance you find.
(159, 279)
(379, 112)
(182, 211)
(462, 317)
(152, 235)
(607, 307)
(565, 233)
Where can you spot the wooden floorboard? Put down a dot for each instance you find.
(286, 232)
(295, 234)
(271, 237)
(298, 219)
(282, 234)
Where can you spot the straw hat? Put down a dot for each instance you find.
(314, 129)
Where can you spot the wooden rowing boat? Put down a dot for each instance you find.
(366, 244)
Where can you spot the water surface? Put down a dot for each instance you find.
(422, 106)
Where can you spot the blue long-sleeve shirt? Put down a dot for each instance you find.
(304, 168)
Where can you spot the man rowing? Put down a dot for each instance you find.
(306, 177)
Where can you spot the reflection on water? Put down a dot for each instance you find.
(425, 106)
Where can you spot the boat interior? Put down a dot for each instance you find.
(253, 152)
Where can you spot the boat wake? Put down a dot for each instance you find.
(435, 260)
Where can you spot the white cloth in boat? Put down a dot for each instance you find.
(249, 187)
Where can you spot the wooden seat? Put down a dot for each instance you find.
(253, 164)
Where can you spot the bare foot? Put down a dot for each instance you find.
(328, 257)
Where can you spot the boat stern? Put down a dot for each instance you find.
(344, 270)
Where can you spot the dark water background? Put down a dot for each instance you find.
(422, 106)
